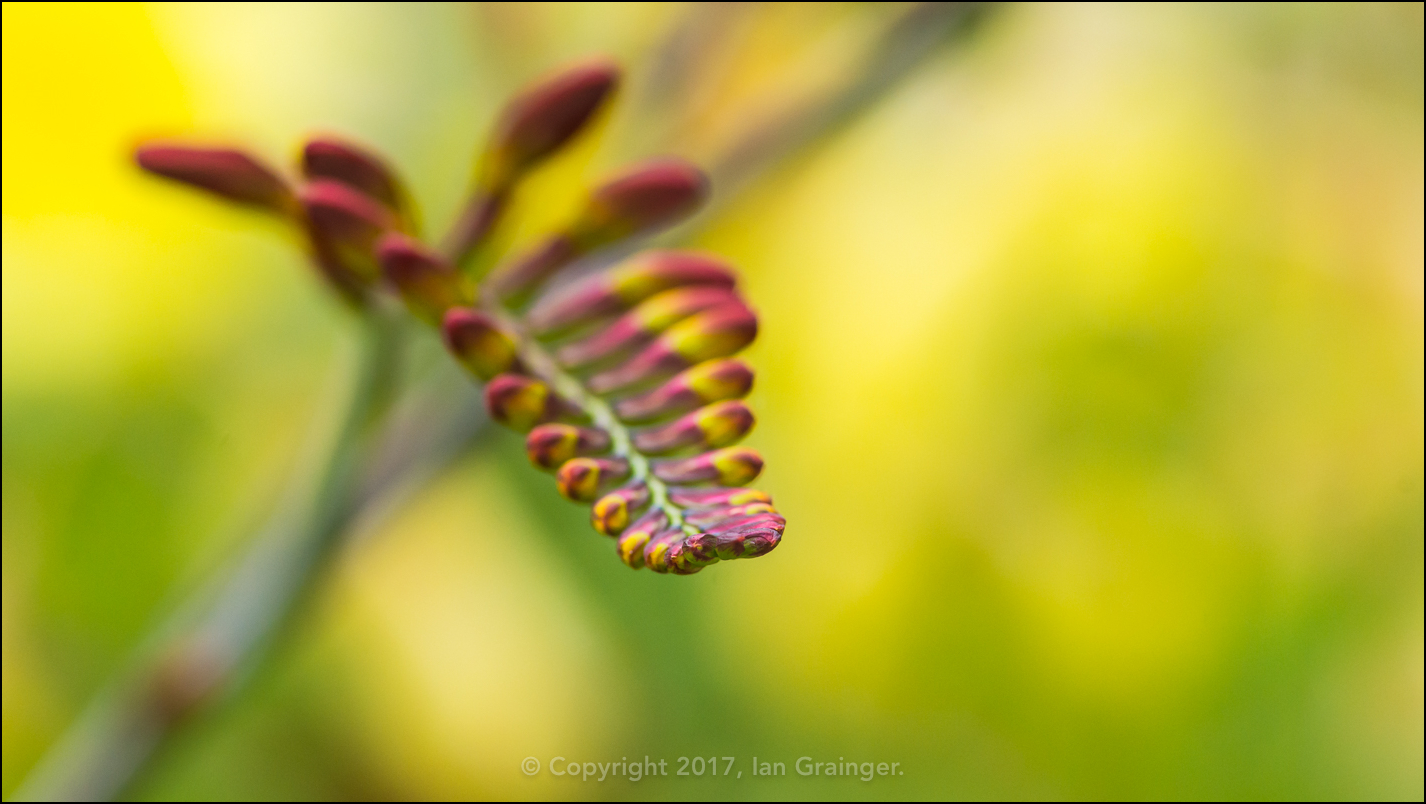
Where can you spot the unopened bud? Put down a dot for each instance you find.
(480, 344)
(718, 332)
(535, 125)
(650, 196)
(643, 323)
(633, 541)
(731, 466)
(657, 550)
(520, 402)
(625, 285)
(229, 173)
(328, 158)
(692, 553)
(748, 537)
(741, 518)
(583, 479)
(717, 425)
(542, 119)
(708, 518)
(348, 222)
(710, 381)
(716, 498)
(613, 512)
(427, 283)
(550, 445)
(647, 197)
(749, 541)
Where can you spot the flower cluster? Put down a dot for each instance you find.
(624, 381)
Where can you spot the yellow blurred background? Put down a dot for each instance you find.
(1089, 379)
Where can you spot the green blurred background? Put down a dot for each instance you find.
(1090, 381)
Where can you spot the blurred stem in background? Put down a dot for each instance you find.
(217, 640)
(384, 445)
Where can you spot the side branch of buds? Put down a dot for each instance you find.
(625, 382)
(534, 126)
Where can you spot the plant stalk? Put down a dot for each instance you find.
(205, 652)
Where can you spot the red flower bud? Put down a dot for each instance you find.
(741, 522)
(232, 174)
(428, 284)
(347, 222)
(710, 381)
(718, 332)
(583, 479)
(731, 466)
(550, 445)
(613, 512)
(748, 538)
(717, 425)
(484, 347)
(543, 118)
(625, 285)
(716, 498)
(639, 326)
(327, 158)
(533, 126)
(633, 541)
(749, 541)
(646, 198)
(728, 515)
(649, 196)
(520, 402)
(657, 550)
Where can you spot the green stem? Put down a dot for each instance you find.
(206, 652)
(544, 365)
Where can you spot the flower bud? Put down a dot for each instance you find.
(532, 127)
(480, 344)
(709, 518)
(689, 554)
(632, 542)
(542, 119)
(625, 285)
(656, 551)
(718, 332)
(748, 541)
(550, 445)
(583, 479)
(327, 158)
(731, 466)
(649, 196)
(232, 174)
(717, 425)
(693, 553)
(520, 402)
(348, 222)
(739, 524)
(716, 498)
(640, 325)
(710, 381)
(428, 284)
(613, 512)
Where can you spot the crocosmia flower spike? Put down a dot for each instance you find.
(626, 381)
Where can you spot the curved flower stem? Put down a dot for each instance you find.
(205, 652)
(543, 364)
